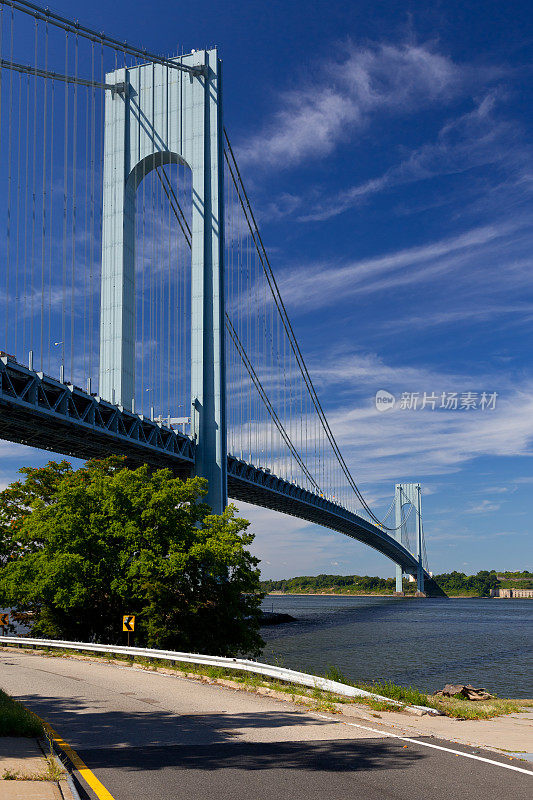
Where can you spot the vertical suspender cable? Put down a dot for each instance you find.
(143, 295)
(33, 191)
(169, 381)
(43, 210)
(151, 278)
(26, 214)
(173, 278)
(18, 312)
(86, 228)
(65, 195)
(101, 144)
(161, 267)
(1, 106)
(8, 232)
(50, 225)
(74, 207)
(92, 167)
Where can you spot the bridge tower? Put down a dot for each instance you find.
(406, 494)
(159, 115)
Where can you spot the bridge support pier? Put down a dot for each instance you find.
(398, 534)
(399, 579)
(406, 494)
(159, 116)
(420, 571)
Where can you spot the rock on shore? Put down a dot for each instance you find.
(274, 618)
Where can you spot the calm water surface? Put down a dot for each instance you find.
(426, 643)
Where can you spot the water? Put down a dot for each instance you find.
(424, 643)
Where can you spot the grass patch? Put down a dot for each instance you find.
(475, 709)
(456, 707)
(323, 705)
(404, 694)
(15, 720)
(374, 704)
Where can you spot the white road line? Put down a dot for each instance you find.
(427, 744)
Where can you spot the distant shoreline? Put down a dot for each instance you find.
(369, 594)
(493, 583)
(332, 594)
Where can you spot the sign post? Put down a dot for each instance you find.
(128, 625)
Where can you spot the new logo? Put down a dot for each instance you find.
(384, 400)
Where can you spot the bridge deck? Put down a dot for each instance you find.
(39, 411)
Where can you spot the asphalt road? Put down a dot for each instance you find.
(146, 735)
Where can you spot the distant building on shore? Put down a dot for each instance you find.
(511, 593)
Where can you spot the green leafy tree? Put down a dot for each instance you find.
(80, 548)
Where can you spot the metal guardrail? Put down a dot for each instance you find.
(240, 664)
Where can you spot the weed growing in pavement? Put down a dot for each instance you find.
(51, 773)
(54, 771)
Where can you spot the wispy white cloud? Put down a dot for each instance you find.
(473, 139)
(483, 508)
(8, 450)
(369, 370)
(407, 444)
(317, 285)
(464, 535)
(382, 448)
(347, 94)
(464, 314)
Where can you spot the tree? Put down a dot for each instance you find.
(80, 548)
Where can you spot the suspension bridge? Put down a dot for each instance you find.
(141, 312)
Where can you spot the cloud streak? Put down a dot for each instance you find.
(318, 285)
(347, 95)
(410, 443)
(473, 139)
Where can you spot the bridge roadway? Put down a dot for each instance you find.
(40, 411)
(148, 735)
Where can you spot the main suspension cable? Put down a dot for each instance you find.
(178, 212)
(261, 251)
(254, 231)
(74, 27)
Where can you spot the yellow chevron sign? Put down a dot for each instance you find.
(128, 623)
(4, 619)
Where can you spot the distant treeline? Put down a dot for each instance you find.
(453, 583)
(516, 580)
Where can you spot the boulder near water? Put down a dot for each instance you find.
(275, 618)
(463, 690)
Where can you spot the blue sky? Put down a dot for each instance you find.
(387, 151)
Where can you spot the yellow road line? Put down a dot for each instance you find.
(88, 776)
